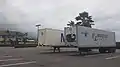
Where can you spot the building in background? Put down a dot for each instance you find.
(6, 36)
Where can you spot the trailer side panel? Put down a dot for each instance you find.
(89, 37)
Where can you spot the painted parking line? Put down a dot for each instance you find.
(11, 59)
(96, 55)
(6, 56)
(112, 57)
(18, 64)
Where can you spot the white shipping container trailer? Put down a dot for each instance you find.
(50, 37)
(85, 38)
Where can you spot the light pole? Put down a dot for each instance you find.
(38, 26)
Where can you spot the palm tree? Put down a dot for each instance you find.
(78, 23)
(71, 23)
(85, 19)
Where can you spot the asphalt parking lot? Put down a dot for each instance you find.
(44, 57)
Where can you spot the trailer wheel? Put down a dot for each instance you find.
(102, 50)
(58, 49)
(111, 50)
(79, 51)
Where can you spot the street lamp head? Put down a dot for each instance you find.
(38, 25)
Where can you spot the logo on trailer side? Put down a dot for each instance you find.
(85, 33)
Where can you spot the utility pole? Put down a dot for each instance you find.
(38, 26)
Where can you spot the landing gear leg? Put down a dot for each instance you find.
(54, 49)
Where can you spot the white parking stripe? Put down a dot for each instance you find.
(12, 59)
(112, 57)
(6, 56)
(96, 55)
(18, 64)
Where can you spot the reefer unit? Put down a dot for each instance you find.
(49, 37)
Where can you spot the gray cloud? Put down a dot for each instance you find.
(25, 14)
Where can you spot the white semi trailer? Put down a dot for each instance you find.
(80, 37)
(50, 37)
(85, 38)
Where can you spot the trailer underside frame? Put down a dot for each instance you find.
(62, 46)
(80, 49)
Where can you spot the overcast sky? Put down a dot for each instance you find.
(25, 14)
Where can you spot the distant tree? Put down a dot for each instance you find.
(25, 38)
(26, 34)
(71, 23)
(85, 19)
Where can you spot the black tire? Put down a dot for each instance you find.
(79, 50)
(102, 50)
(89, 49)
(111, 50)
(114, 50)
